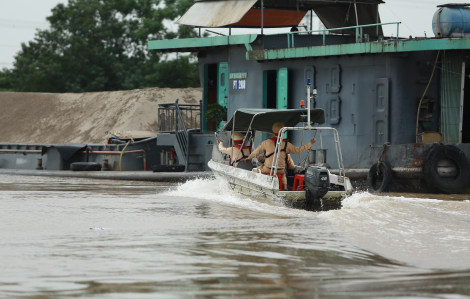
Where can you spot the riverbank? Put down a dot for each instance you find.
(49, 118)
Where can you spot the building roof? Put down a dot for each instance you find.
(333, 13)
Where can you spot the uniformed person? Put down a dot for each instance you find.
(290, 162)
(238, 155)
(268, 146)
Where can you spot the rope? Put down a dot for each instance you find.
(444, 70)
(437, 21)
(422, 97)
(304, 161)
(382, 156)
(310, 149)
(119, 135)
(122, 152)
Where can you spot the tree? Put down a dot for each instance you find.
(5, 84)
(100, 45)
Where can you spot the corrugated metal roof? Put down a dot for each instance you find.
(216, 13)
(311, 4)
(333, 13)
(271, 18)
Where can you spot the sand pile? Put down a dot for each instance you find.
(86, 117)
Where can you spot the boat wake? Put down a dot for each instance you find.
(423, 232)
(218, 190)
(419, 231)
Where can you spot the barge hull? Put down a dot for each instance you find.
(113, 175)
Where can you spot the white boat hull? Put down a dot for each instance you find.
(264, 186)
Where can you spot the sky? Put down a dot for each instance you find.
(20, 18)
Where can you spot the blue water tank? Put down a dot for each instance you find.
(454, 20)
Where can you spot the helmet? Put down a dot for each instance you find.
(277, 126)
(237, 137)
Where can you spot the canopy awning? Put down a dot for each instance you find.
(283, 13)
(265, 118)
(215, 13)
(271, 18)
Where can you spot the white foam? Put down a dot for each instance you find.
(419, 231)
(218, 190)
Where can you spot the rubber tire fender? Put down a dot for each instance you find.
(85, 166)
(431, 175)
(386, 170)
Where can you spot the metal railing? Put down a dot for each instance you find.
(179, 119)
(359, 32)
(277, 150)
(168, 116)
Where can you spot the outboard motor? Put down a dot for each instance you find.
(317, 181)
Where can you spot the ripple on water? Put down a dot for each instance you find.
(420, 231)
(201, 239)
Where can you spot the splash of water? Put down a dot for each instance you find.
(218, 190)
(420, 231)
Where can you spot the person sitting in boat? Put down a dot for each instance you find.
(268, 146)
(290, 162)
(238, 155)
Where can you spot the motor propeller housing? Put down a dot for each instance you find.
(317, 181)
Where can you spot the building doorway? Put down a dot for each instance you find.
(210, 93)
(270, 89)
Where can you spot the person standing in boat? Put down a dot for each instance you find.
(268, 146)
(234, 152)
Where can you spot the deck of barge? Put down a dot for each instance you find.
(113, 175)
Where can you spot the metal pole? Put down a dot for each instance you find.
(355, 9)
(200, 116)
(232, 144)
(308, 103)
(262, 15)
(377, 21)
(230, 30)
(199, 31)
(246, 135)
(462, 84)
(311, 20)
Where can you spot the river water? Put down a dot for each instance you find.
(199, 240)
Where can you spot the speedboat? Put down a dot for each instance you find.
(315, 187)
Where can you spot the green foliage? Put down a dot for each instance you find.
(5, 80)
(175, 73)
(101, 45)
(216, 112)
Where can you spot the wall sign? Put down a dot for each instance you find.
(239, 84)
(238, 75)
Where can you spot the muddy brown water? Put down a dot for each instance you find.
(199, 240)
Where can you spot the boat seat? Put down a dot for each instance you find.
(246, 166)
(298, 182)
